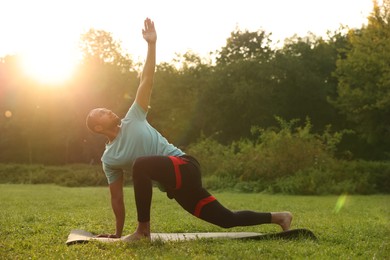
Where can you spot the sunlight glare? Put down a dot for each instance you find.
(51, 66)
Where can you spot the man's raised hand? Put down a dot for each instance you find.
(149, 32)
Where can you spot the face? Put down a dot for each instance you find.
(105, 118)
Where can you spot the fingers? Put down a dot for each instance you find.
(103, 235)
(107, 235)
(148, 25)
(149, 32)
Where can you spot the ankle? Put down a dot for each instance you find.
(283, 219)
(143, 228)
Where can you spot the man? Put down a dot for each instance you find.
(135, 145)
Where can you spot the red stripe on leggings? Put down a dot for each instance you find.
(201, 204)
(177, 161)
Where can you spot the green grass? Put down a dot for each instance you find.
(35, 221)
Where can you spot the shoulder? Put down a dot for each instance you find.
(135, 111)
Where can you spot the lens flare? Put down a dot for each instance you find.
(8, 114)
(340, 203)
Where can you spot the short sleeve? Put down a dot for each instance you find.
(111, 174)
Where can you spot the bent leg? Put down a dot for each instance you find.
(146, 169)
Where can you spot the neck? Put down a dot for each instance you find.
(112, 133)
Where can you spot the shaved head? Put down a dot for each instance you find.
(99, 119)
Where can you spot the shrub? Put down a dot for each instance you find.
(210, 154)
(352, 177)
(66, 175)
(273, 154)
(289, 160)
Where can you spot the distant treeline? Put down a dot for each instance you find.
(341, 82)
(288, 160)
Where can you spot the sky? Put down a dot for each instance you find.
(44, 30)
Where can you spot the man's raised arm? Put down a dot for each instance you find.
(146, 84)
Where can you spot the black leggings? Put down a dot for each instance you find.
(181, 178)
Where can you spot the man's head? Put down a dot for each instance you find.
(102, 120)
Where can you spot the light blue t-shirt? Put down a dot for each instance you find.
(136, 138)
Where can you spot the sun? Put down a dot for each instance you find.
(50, 66)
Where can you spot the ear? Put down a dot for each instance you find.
(98, 128)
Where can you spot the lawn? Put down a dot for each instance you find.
(35, 221)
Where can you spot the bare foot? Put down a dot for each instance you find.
(283, 219)
(141, 233)
(136, 237)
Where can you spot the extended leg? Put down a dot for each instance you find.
(217, 214)
(201, 204)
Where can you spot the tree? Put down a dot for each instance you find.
(238, 91)
(303, 79)
(175, 109)
(13, 144)
(245, 45)
(364, 78)
(100, 47)
(106, 78)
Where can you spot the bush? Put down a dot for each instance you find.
(273, 154)
(369, 176)
(210, 154)
(352, 177)
(291, 161)
(67, 175)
